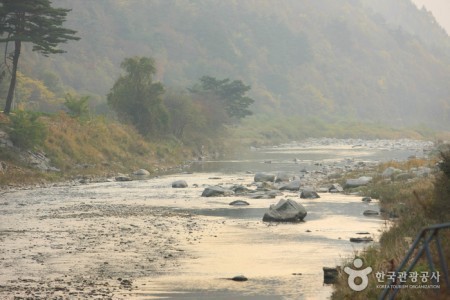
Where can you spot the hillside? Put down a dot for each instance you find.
(384, 62)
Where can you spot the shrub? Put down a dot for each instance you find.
(441, 205)
(26, 130)
(78, 108)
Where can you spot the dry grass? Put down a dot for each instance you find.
(105, 143)
(415, 203)
(97, 147)
(407, 165)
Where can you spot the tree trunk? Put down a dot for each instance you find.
(12, 84)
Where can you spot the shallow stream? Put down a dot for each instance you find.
(109, 230)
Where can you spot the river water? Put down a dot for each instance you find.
(281, 261)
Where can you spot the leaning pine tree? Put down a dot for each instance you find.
(33, 21)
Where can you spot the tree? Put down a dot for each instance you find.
(137, 99)
(36, 22)
(78, 107)
(231, 93)
(27, 131)
(182, 111)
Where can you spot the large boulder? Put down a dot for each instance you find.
(336, 188)
(388, 172)
(141, 172)
(282, 177)
(361, 181)
(291, 186)
(216, 191)
(286, 210)
(261, 177)
(180, 184)
(240, 190)
(265, 186)
(309, 193)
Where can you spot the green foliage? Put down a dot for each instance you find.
(36, 22)
(377, 61)
(441, 205)
(184, 114)
(230, 93)
(78, 107)
(137, 99)
(417, 203)
(32, 94)
(27, 131)
(196, 121)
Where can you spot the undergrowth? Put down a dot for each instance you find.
(413, 204)
(95, 146)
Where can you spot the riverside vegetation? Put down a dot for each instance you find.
(94, 147)
(143, 124)
(414, 204)
(82, 145)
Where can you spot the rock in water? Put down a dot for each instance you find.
(239, 278)
(260, 177)
(216, 191)
(179, 184)
(370, 212)
(239, 203)
(361, 239)
(309, 193)
(330, 275)
(240, 190)
(286, 210)
(282, 177)
(291, 186)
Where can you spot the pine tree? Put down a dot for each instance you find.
(32, 21)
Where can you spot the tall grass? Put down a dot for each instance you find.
(91, 146)
(416, 203)
(102, 142)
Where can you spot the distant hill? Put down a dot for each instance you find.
(378, 61)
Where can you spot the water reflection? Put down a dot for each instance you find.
(269, 254)
(294, 158)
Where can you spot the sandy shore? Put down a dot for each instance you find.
(87, 250)
(144, 239)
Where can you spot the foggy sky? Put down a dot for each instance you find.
(440, 10)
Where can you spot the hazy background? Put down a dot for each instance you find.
(378, 62)
(440, 10)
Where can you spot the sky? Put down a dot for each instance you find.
(440, 10)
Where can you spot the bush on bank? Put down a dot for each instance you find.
(94, 146)
(414, 204)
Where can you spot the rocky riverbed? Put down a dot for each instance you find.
(145, 239)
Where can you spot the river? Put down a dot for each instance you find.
(143, 239)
